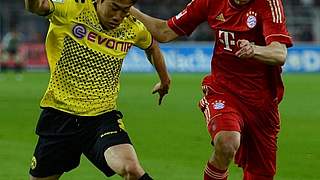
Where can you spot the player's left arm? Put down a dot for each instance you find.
(277, 38)
(274, 54)
(156, 58)
(145, 41)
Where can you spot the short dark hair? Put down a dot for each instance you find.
(134, 1)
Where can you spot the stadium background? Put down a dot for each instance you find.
(171, 140)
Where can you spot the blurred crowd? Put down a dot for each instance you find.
(302, 19)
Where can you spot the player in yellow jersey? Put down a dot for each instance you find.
(86, 44)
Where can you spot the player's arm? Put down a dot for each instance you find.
(276, 36)
(274, 54)
(40, 7)
(156, 58)
(157, 27)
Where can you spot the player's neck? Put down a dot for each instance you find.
(239, 4)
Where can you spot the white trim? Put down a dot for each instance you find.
(276, 11)
(279, 9)
(216, 175)
(272, 11)
(278, 35)
(207, 110)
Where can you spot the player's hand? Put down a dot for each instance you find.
(246, 49)
(162, 89)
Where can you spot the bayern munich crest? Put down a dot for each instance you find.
(251, 19)
(218, 104)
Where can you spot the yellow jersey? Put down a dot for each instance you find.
(84, 59)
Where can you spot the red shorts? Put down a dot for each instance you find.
(258, 127)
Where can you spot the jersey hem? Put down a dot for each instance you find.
(77, 114)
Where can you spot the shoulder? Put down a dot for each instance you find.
(69, 9)
(268, 4)
(272, 9)
(133, 23)
(79, 2)
(204, 3)
(140, 33)
(78, 5)
(73, 5)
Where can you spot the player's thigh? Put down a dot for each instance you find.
(121, 157)
(58, 148)
(109, 133)
(221, 113)
(263, 128)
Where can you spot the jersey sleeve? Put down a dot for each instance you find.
(274, 23)
(144, 37)
(58, 10)
(187, 20)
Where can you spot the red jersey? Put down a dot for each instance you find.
(260, 22)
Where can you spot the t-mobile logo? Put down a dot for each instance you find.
(228, 39)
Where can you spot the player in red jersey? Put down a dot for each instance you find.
(242, 93)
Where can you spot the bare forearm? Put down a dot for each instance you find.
(273, 54)
(162, 71)
(160, 66)
(157, 60)
(157, 27)
(40, 7)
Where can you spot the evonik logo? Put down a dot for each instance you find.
(80, 32)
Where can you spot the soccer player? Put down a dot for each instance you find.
(242, 93)
(10, 50)
(86, 44)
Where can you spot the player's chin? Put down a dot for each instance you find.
(110, 26)
(113, 26)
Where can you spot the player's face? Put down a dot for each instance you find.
(241, 2)
(112, 12)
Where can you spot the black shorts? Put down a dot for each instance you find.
(63, 138)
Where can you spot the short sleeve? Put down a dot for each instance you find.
(144, 37)
(274, 23)
(187, 20)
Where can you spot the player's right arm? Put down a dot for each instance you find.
(40, 7)
(183, 24)
(157, 27)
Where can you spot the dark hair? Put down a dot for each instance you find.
(134, 1)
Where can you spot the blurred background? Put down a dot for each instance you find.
(303, 19)
(171, 140)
